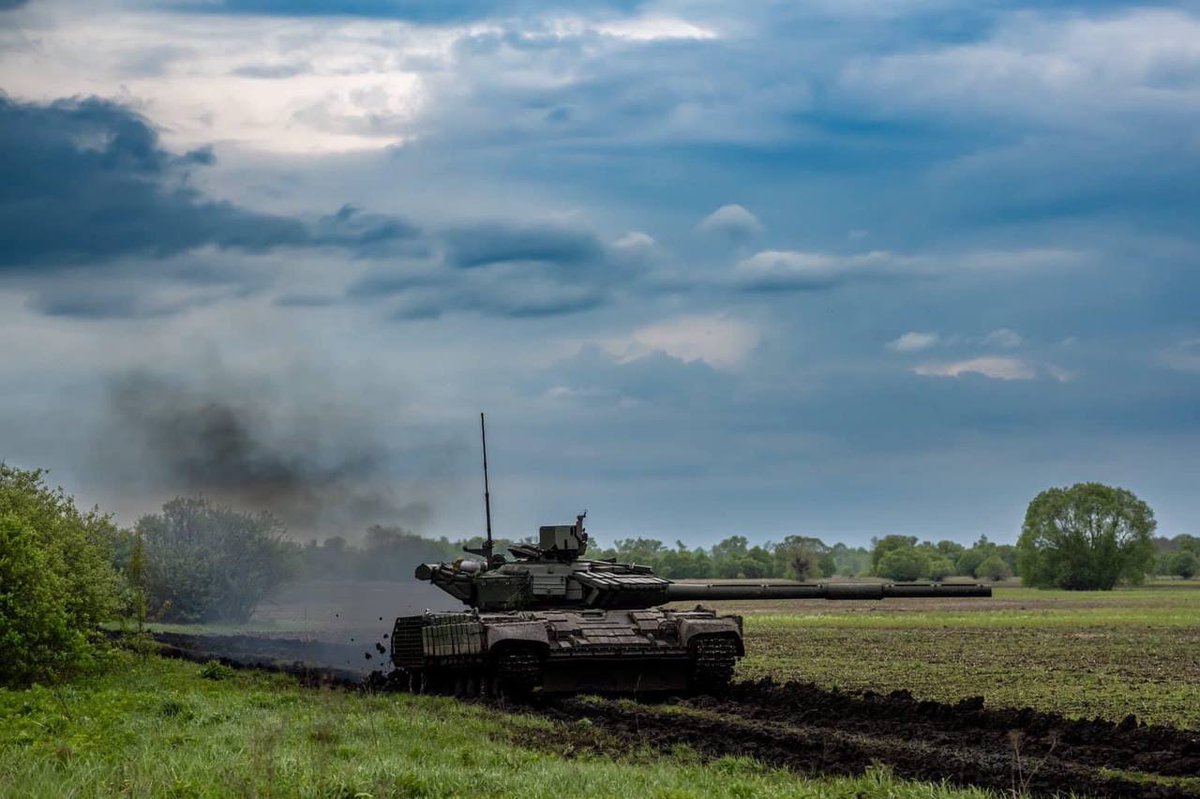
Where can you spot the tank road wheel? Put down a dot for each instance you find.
(713, 660)
(518, 672)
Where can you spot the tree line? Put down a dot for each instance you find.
(64, 571)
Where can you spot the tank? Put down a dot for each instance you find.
(548, 619)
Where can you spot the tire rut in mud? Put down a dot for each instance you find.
(811, 730)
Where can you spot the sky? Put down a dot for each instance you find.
(842, 269)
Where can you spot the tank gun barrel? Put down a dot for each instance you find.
(730, 591)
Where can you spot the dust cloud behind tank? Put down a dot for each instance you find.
(550, 619)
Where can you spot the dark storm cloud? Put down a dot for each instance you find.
(503, 268)
(366, 233)
(85, 181)
(492, 243)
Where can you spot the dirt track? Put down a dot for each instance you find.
(811, 730)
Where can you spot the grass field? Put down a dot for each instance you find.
(156, 727)
(152, 727)
(1086, 654)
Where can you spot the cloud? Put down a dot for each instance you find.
(789, 270)
(420, 11)
(635, 241)
(995, 368)
(715, 339)
(485, 244)
(1182, 357)
(86, 181)
(1076, 71)
(510, 268)
(367, 233)
(1003, 339)
(913, 342)
(732, 221)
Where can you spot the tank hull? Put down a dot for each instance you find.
(567, 651)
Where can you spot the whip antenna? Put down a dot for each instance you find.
(487, 496)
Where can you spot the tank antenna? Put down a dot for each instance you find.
(487, 496)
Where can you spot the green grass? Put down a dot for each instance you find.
(1085, 654)
(157, 728)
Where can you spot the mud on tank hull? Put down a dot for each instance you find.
(567, 651)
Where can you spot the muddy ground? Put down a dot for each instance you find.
(803, 727)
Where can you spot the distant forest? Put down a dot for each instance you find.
(391, 553)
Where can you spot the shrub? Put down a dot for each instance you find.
(993, 568)
(1183, 564)
(206, 563)
(905, 563)
(57, 582)
(940, 568)
(969, 561)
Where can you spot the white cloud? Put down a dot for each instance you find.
(649, 29)
(996, 368)
(789, 269)
(1183, 357)
(733, 221)
(1059, 69)
(1003, 338)
(913, 342)
(792, 269)
(717, 340)
(635, 241)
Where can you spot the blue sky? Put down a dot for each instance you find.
(842, 269)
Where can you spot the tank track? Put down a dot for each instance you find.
(713, 664)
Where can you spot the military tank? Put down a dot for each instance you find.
(551, 620)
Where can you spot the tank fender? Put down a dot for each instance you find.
(530, 632)
(729, 626)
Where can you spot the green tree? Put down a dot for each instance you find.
(881, 546)
(208, 563)
(904, 563)
(994, 568)
(968, 562)
(1086, 537)
(57, 582)
(940, 568)
(1183, 563)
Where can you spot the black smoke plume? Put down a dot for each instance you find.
(322, 462)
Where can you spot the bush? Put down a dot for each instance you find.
(205, 563)
(1183, 564)
(1086, 537)
(993, 568)
(57, 582)
(940, 568)
(905, 563)
(969, 561)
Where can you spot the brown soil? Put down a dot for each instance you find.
(808, 729)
